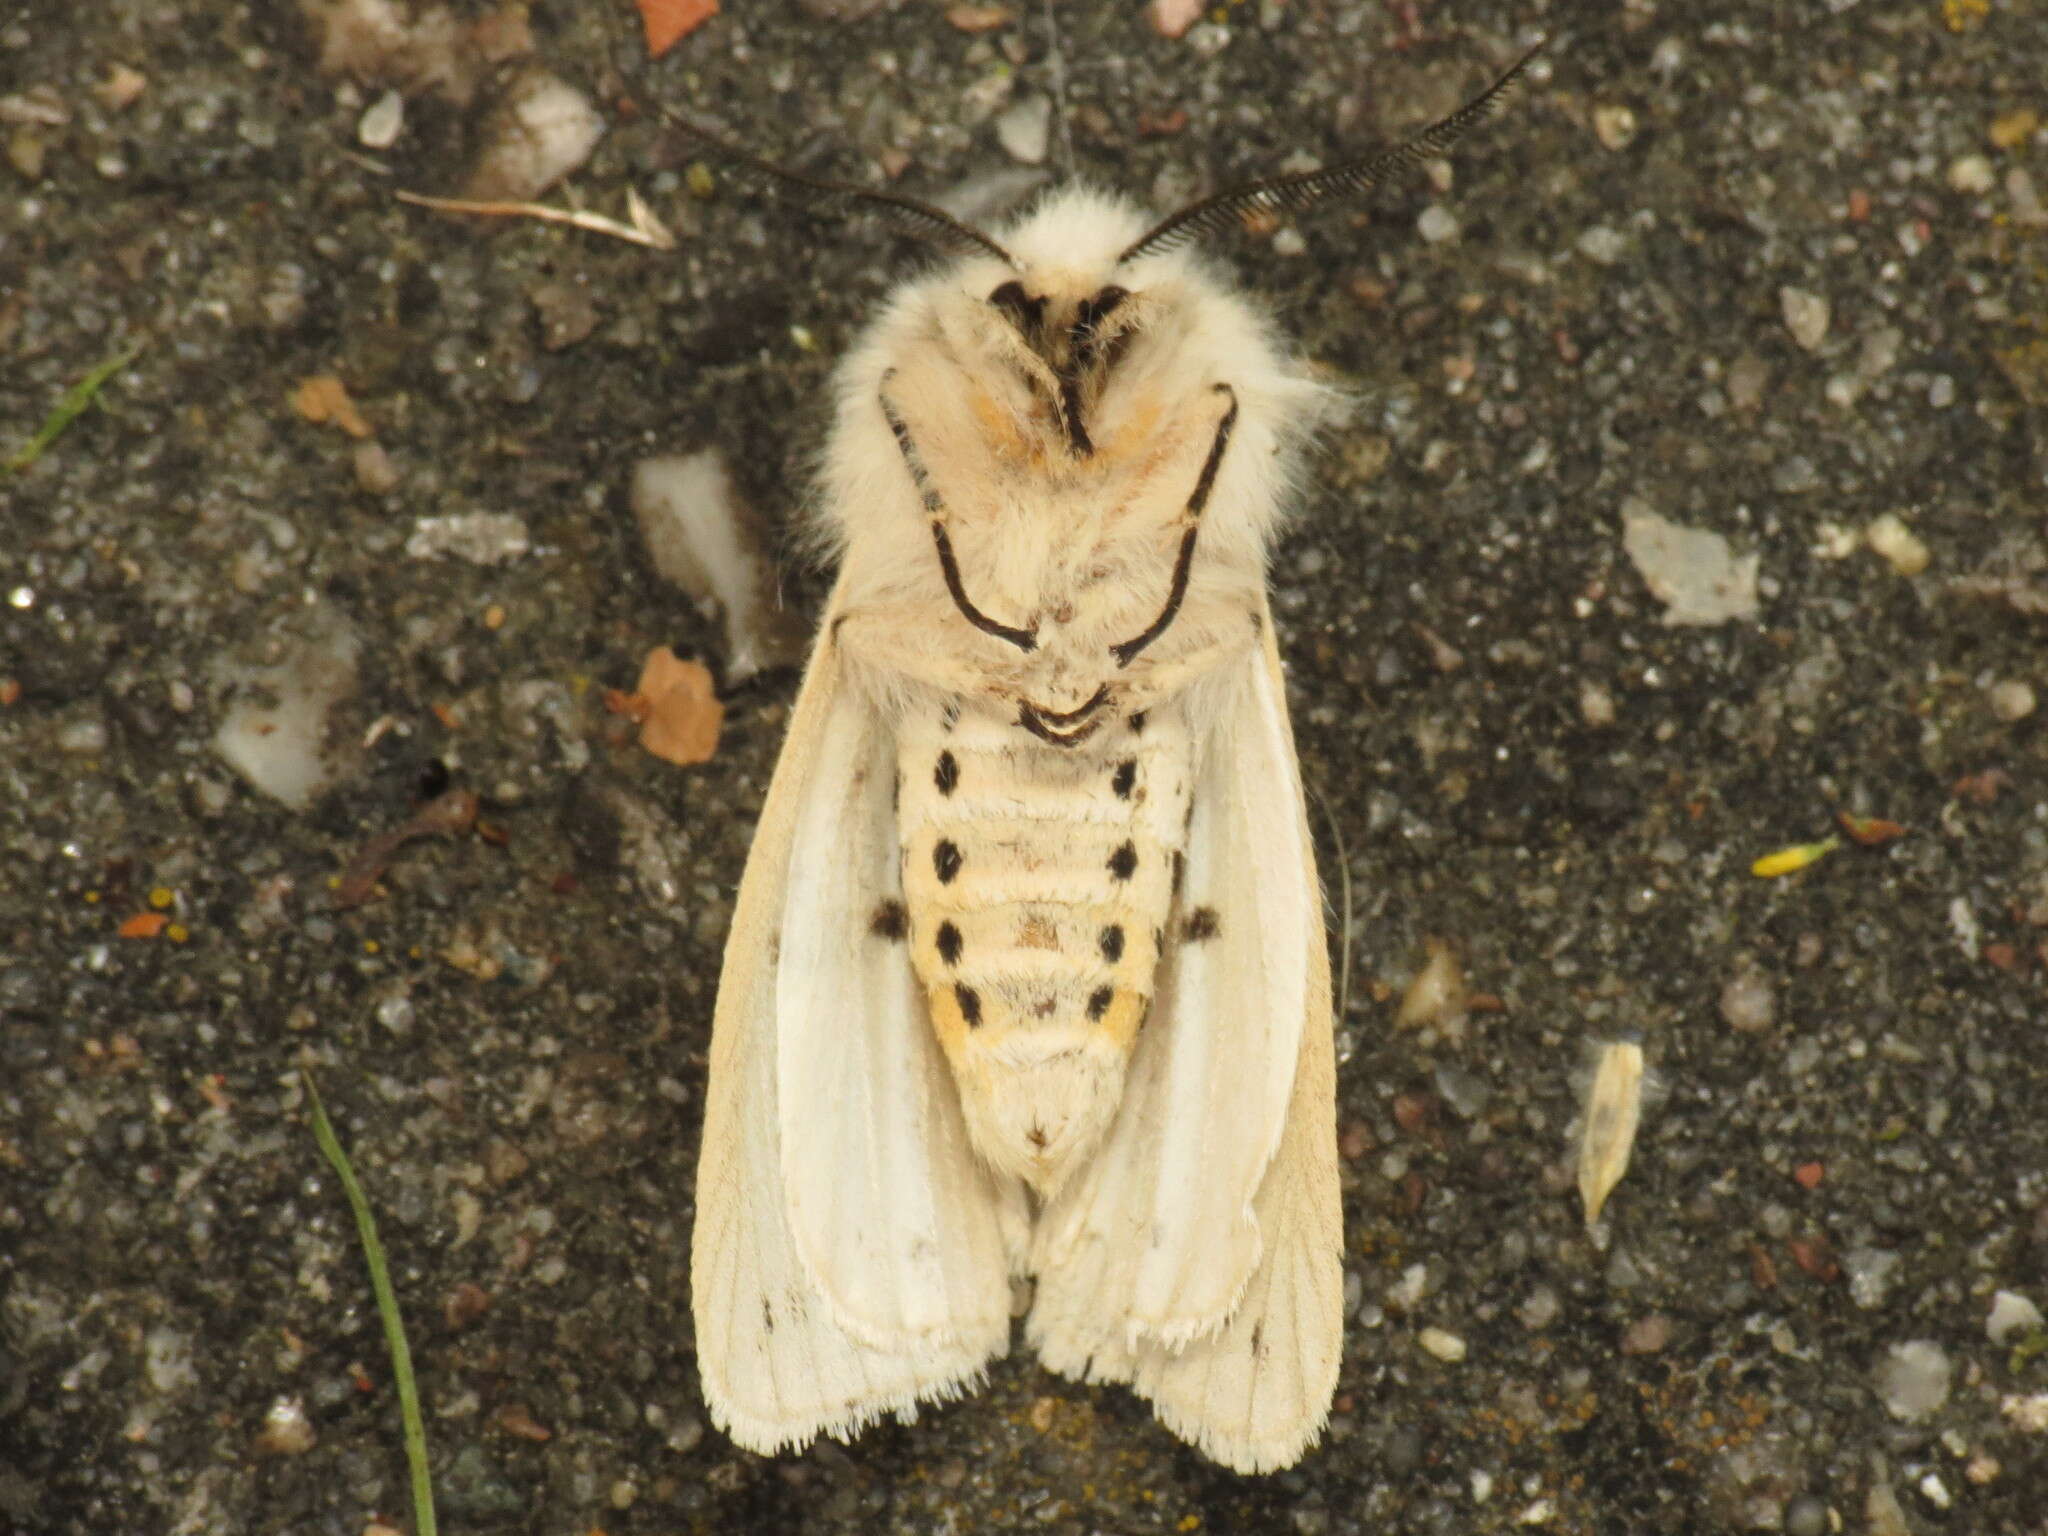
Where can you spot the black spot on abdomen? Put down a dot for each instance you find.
(1099, 1001)
(970, 1004)
(1124, 862)
(949, 943)
(1126, 775)
(1112, 942)
(946, 860)
(947, 774)
(890, 921)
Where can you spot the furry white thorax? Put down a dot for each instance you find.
(1081, 548)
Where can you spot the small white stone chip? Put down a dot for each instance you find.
(1913, 1380)
(1442, 1344)
(1692, 571)
(2011, 1315)
(382, 122)
(1889, 536)
(1806, 315)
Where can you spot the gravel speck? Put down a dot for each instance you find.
(2012, 699)
(1442, 1344)
(1913, 1380)
(1806, 316)
(1024, 128)
(2011, 1314)
(1872, 1273)
(1748, 1001)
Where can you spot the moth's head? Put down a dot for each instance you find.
(1064, 288)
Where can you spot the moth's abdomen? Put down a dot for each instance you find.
(1038, 880)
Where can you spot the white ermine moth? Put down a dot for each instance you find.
(1028, 974)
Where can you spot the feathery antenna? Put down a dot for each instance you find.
(1347, 178)
(923, 220)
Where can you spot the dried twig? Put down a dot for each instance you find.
(640, 228)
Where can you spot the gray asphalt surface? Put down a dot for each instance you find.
(1517, 755)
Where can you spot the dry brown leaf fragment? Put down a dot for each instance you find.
(452, 812)
(684, 715)
(465, 1304)
(978, 18)
(323, 398)
(1870, 831)
(517, 1419)
(1614, 1109)
(669, 21)
(633, 706)
(1981, 788)
(121, 87)
(1436, 996)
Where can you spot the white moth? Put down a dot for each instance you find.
(1028, 975)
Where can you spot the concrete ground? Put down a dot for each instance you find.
(1777, 275)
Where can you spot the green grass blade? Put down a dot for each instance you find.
(70, 408)
(387, 1309)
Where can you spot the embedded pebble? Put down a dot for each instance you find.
(1647, 1335)
(1436, 997)
(1748, 1002)
(286, 1429)
(1539, 1309)
(482, 538)
(1437, 224)
(1024, 128)
(703, 537)
(1467, 1093)
(2011, 699)
(382, 122)
(1913, 1380)
(1692, 571)
(374, 470)
(1442, 1344)
(2011, 1314)
(545, 130)
(1898, 544)
(1601, 245)
(1748, 377)
(1172, 18)
(276, 735)
(1806, 316)
(1972, 174)
(87, 735)
(1614, 125)
(2027, 1414)
(1872, 1273)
